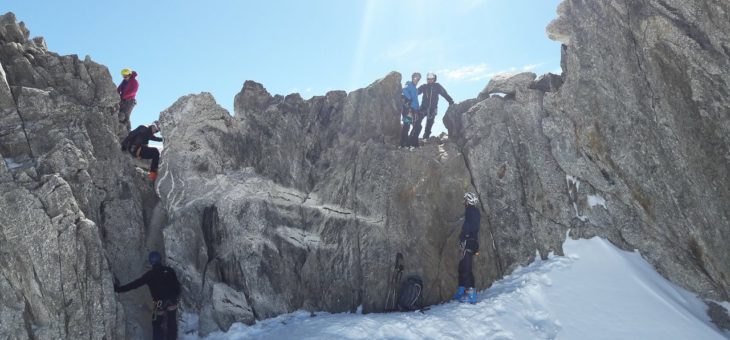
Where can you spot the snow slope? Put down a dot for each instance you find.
(594, 292)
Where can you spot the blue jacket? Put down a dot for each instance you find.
(410, 93)
(470, 228)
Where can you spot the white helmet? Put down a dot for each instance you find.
(471, 198)
(431, 75)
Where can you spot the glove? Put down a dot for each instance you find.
(116, 289)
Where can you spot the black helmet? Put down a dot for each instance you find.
(155, 258)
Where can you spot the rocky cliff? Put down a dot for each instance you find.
(71, 214)
(292, 203)
(631, 143)
(643, 120)
(304, 204)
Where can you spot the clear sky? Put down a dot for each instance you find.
(310, 47)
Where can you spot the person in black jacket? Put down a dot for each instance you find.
(468, 240)
(165, 290)
(137, 142)
(429, 106)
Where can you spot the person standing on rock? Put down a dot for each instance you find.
(165, 290)
(127, 90)
(410, 107)
(429, 105)
(469, 244)
(137, 142)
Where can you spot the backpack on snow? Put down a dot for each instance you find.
(410, 292)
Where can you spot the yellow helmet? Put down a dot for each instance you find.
(126, 72)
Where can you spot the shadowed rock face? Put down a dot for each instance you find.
(69, 200)
(632, 147)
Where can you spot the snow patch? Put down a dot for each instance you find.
(596, 291)
(574, 182)
(594, 200)
(13, 164)
(10, 163)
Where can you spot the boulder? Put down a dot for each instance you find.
(547, 82)
(507, 83)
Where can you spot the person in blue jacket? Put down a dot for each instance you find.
(468, 240)
(410, 107)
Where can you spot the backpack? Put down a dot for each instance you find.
(126, 144)
(410, 292)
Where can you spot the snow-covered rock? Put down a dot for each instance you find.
(595, 291)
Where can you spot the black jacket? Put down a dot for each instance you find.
(139, 136)
(431, 92)
(161, 280)
(470, 228)
(142, 136)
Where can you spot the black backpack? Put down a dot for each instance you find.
(410, 292)
(126, 144)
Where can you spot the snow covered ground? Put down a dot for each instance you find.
(594, 292)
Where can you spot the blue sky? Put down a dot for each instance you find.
(310, 47)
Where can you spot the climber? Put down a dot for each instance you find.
(127, 90)
(469, 244)
(429, 106)
(165, 290)
(410, 107)
(136, 144)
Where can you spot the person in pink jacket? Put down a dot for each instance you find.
(127, 91)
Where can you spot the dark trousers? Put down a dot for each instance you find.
(404, 134)
(430, 114)
(406, 127)
(125, 110)
(164, 327)
(147, 152)
(466, 277)
(413, 138)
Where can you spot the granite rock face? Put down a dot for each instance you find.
(315, 224)
(643, 119)
(632, 143)
(303, 204)
(70, 212)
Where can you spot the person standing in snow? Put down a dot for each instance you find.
(127, 90)
(410, 107)
(137, 142)
(468, 241)
(165, 290)
(429, 105)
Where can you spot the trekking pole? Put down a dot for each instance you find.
(392, 282)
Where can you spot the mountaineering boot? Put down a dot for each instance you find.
(459, 293)
(471, 295)
(152, 175)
